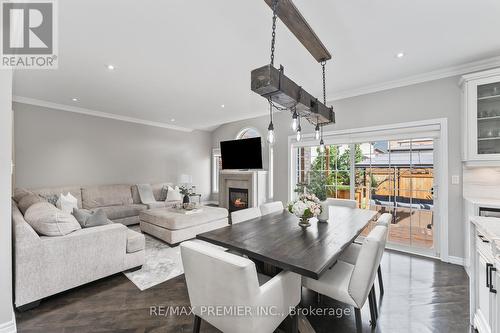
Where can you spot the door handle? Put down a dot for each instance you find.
(488, 265)
(492, 290)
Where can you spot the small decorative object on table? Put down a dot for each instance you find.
(305, 207)
(185, 191)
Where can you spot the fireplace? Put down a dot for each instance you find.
(238, 199)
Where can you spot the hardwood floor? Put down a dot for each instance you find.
(421, 295)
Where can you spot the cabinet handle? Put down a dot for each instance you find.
(492, 290)
(482, 238)
(488, 265)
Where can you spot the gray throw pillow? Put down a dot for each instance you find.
(47, 220)
(51, 198)
(27, 201)
(90, 219)
(163, 193)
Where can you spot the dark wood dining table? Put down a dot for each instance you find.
(278, 240)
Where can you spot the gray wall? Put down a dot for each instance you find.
(5, 202)
(430, 100)
(62, 148)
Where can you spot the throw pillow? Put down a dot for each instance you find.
(19, 193)
(27, 201)
(90, 219)
(48, 220)
(51, 198)
(67, 202)
(173, 194)
(163, 193)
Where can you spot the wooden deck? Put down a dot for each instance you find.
(411, 228)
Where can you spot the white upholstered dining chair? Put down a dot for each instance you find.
(217, 281)
(245, 215)
(350, 254)
(353, 283)
(271, 207)
(341, 202)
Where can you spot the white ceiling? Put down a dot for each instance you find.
(183, 59)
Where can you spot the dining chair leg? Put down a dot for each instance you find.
(380, 282)
(294, 322)
(197, 324)
(359, 324)
(374, 298)
(373, 315)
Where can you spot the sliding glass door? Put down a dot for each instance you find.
(394, 176)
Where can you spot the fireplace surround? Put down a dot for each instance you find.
(254, 183)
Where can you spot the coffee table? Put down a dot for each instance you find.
(174, 226)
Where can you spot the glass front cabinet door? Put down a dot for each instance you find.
(481, 119)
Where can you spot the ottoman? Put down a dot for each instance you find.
(173, 227)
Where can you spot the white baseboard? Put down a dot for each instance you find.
(10, 326)
(456, 260)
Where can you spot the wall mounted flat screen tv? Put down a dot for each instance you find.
(241, 154)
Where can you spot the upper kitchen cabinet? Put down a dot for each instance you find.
(481, 118)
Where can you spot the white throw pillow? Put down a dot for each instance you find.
(174, 194)
(66, 203)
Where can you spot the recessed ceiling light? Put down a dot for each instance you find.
(223, 106)
(74, 99)
(110, 67)
(400, 55)
(173, 119)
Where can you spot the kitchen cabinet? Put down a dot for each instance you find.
(481, 118)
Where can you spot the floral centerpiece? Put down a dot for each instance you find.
(305, 207)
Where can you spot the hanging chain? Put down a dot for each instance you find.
(271, 104)
(323, 65)
(273, 39)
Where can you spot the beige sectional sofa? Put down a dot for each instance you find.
(44, 266)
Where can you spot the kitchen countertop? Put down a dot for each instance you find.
(489, 227)
(488, 202)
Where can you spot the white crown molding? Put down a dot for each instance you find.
(10, 326)
(420, 78)
(88, 112)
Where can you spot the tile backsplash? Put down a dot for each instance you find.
(481, 182)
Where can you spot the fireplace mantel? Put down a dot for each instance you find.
(253, 180)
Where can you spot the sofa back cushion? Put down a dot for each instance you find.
(106, 195)
(156, 192)
(47, 220)
(46, 193)
(28, 200)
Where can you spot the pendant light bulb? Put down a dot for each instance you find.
(295, 121)
(299, 134)
(317, 133)
(321, 146)
(270, 134)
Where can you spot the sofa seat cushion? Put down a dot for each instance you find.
(120, 212)
(106, 195)
(135, 241)
(170, 219)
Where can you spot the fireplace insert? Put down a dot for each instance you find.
(238, 199)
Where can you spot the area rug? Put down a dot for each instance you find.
(162, 263)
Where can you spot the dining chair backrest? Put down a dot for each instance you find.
(342, 202)
(245, 215)
(271, 207)
(367, 264)
(384, 219)
(217, 278)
